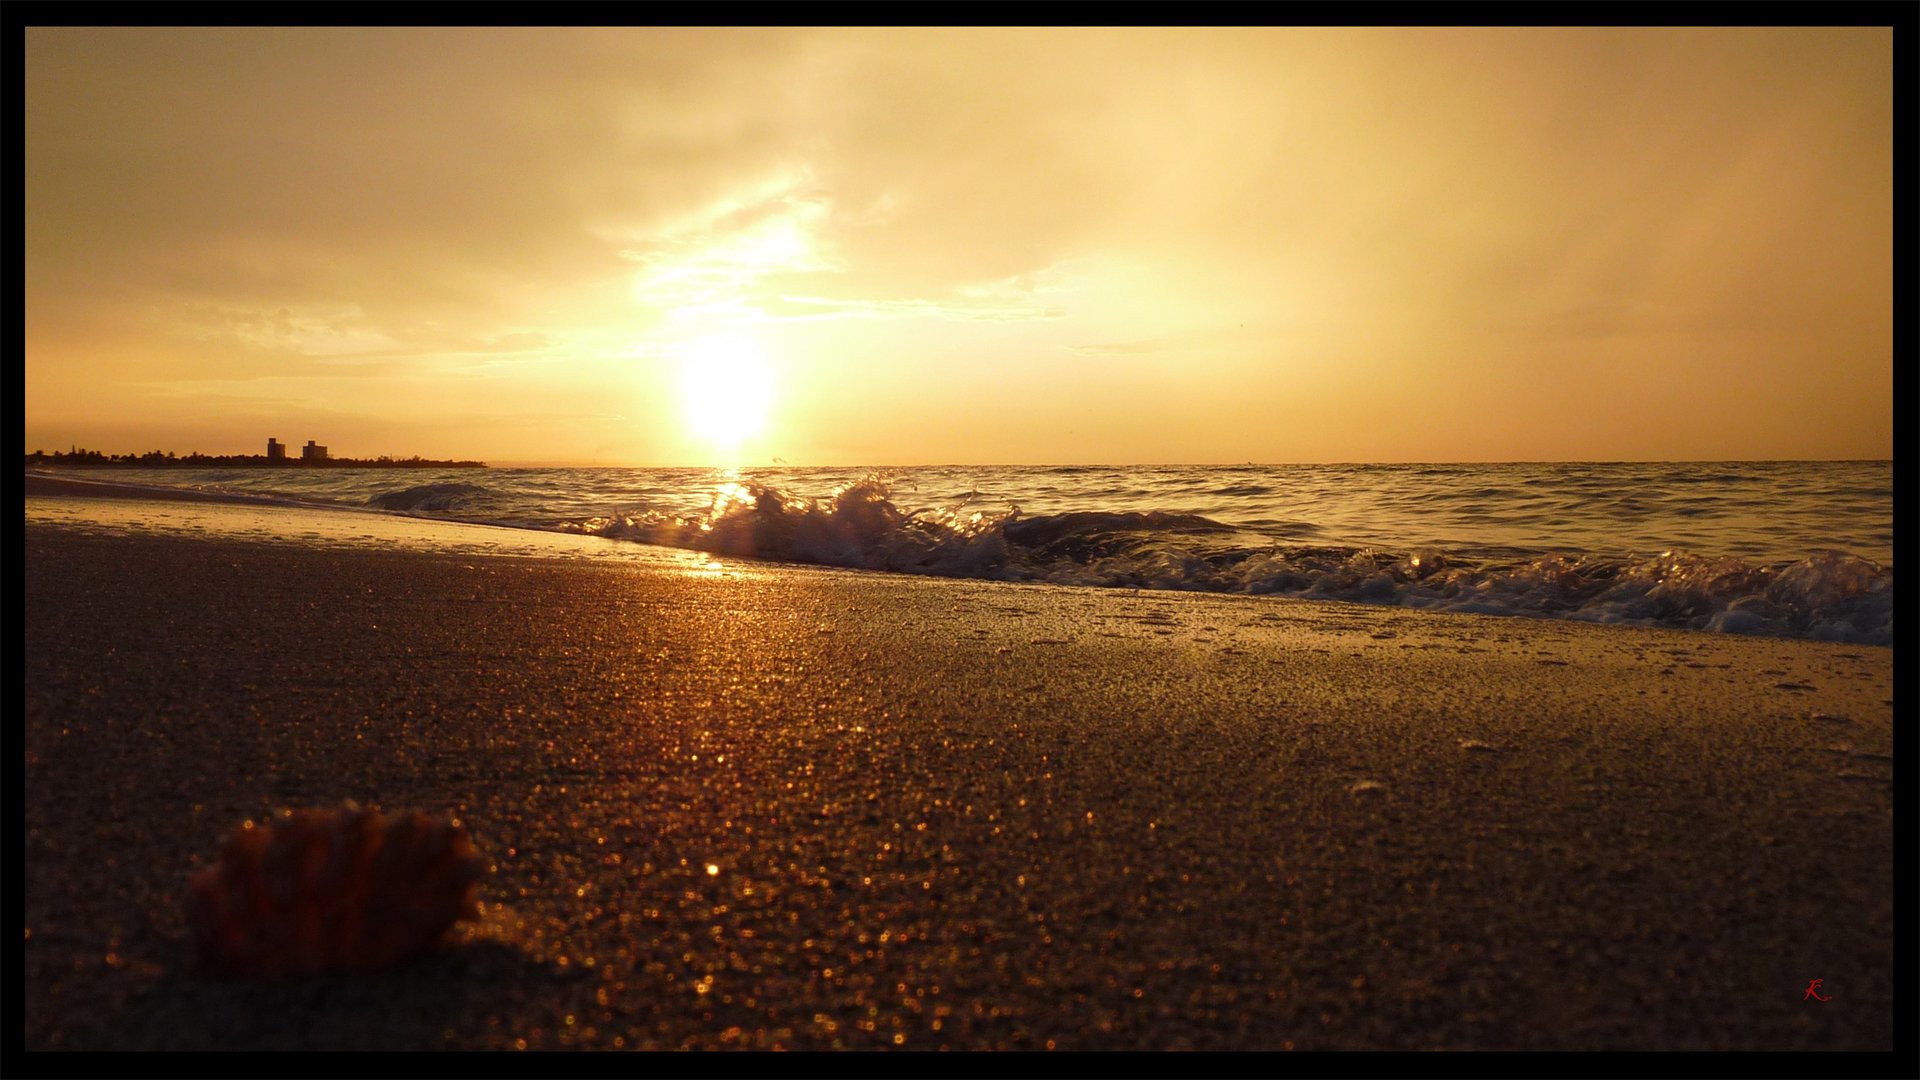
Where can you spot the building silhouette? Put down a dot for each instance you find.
(276, 450)
(313, 452)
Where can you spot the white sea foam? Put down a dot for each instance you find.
(1829, 595)
(1800, 549)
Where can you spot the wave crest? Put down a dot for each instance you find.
(1829, 595)
(430, 497)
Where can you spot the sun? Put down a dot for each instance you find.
(726, 389)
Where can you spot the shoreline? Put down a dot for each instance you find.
(41, 484)
(959, 812)
(195, 513)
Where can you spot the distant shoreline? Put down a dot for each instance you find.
(93, 460)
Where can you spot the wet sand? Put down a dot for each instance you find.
(760, 806)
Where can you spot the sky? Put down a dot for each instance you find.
(993, 246)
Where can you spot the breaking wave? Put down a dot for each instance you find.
(1828, 595)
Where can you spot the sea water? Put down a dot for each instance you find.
(1799, 549)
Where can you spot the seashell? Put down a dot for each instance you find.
(318, 891)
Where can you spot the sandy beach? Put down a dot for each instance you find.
(741, 805)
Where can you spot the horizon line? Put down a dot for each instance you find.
(548, 463)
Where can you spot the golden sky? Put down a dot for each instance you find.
(694, 246)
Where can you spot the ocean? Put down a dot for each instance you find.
(1792, 549)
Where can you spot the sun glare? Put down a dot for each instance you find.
(726, 390)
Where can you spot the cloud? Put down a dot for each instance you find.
(1121, 348)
